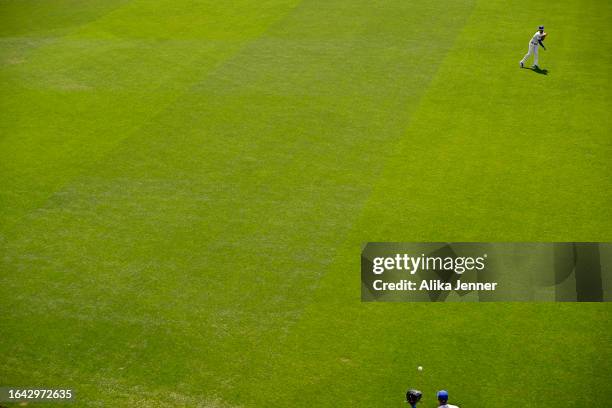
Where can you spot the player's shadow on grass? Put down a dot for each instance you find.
(539, 71)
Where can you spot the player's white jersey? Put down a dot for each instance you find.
(535, 40)
(448, 406)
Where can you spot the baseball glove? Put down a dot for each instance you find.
(543, 37)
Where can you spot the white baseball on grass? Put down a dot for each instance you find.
(420, 368)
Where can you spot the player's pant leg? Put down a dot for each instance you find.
(535, 55)
(527, 55)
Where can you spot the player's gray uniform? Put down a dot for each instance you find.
(534, 44)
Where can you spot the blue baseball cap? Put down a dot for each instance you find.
(540, 27)
(443, 395)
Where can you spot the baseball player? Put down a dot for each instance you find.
(413, 396)
(534, 44)
(443, 399)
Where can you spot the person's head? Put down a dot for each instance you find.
(442, 397)
(413, 396)
(541, 29)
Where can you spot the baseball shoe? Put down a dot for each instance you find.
(535, 67)
(521, 64)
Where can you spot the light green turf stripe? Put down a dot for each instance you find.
(311, 361)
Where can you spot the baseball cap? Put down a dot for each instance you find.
(540, 27)
(443, 395)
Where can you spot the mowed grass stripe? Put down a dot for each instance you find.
(475, 164)
(40, 18)
(188, 253)
(74, 98)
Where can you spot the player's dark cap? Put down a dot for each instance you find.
(540, 27)
(413, 396)
(443, 395)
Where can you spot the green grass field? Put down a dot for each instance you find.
(185, 187)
